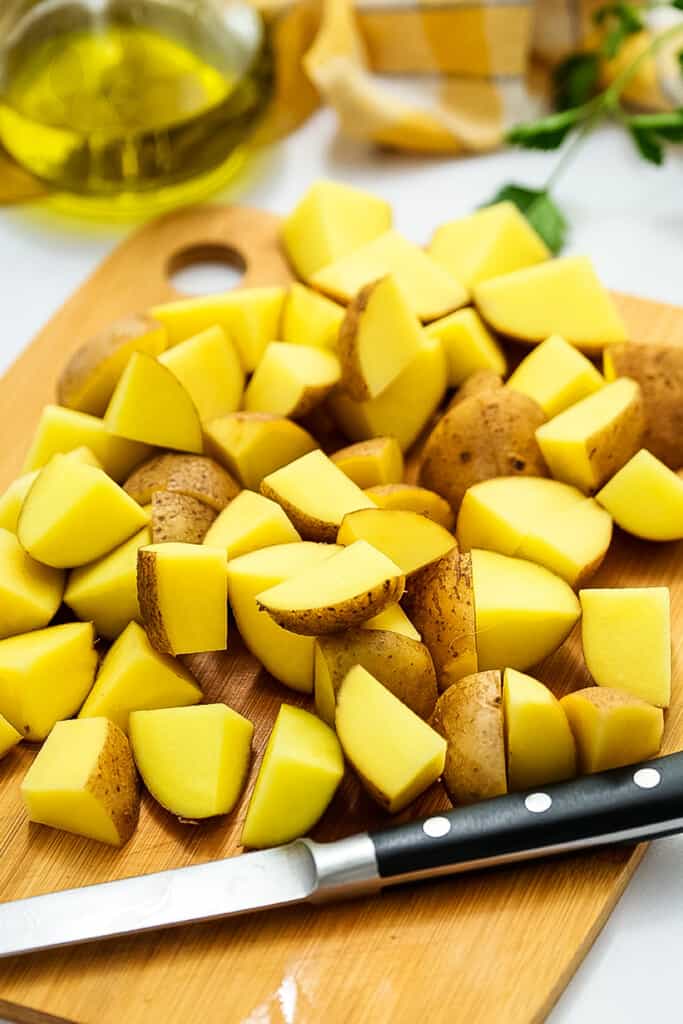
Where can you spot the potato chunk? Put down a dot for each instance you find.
(626, 635)
(309, 318)
(408, 539)
(431, 290)
(88, 380)
(523, 611)
(540, 745)
(645, 498)
(193, 760)
(286, 655)
(379, 338)
(105, 592)
(353, 585)
(13, 498)
(562, 296)
(470, 718)
(183, 595)
(468, 344)
(249, 317)
(487, 243)
(315, 494)
(30, 593)
(587, 443)
(252, 445)
(193, 475)
(330, 221)
(395, 620)
(403, 665)
(151, 405)
(9, 737)
(45, 676)
(83, 780)
(301, 769)
(612, 728)
(412, 498)
(134, 677)
(397, 756)
(370, 463)
(248, 523)
(556, 375)
(75, 513)
(208, 367)
(542, 520)
(290, 380)
(177, 517)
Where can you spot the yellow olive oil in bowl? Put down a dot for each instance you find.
(122, 100)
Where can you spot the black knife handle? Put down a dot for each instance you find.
(642, 801)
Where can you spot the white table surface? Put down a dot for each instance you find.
(629, 217)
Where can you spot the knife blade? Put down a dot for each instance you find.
(624, 805)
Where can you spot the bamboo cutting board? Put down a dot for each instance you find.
(487, 948)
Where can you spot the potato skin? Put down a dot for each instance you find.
(352, 379)
(338, 617)
(486, 435)
(309, 527)
(470, 718)
(440, 603)
(149, 603)
(196, 476)
(114, 782)
(478, 383)
(177, 517)
(614, 446)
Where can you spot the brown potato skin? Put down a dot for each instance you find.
(114, 782)
(439, 601)
(337, 618)
(478, 383)
(486, 435)
(400, 663)
(177, 517)
(148, 601)
(435, 507)
(309, 527)
(613, 447)
(196, 476)
(352, 380)
(470, 718)
(659, 371)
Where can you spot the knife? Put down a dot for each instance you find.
(624, 805)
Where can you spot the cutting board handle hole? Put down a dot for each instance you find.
(201, 269)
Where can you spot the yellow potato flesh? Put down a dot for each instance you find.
(9, 736)
(30, 593)
(355, 584)
(193, 760)
(431, 290)
(394, 620)
(407, 405)
(612, 728)
(315, 494)
(183, 594)
(105, 592)
(83, 781)
(151, 405)
(645, 498)
(75, 513)
(488, 243)
(541, 520)
(209, 368)
(540, 744)
(61, 430)
(301, 769)
(523, 611)
(410, 540)
(290, 380)
(45, 676)
(286, 655)
(556, 375)
(373, 462)
(252, 444)
(249, 316)
(135, 677)
(309, 318)
(395, 753)
(411, 498)
(626, 636)
(561, 296)
(330, 221)
(13, 498)
(469, 346)
(248, 523)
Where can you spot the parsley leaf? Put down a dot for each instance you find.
(620, 20)
(647, 144)
(576, 80)
(668, 126)
(678, 4)
(547, 132)
(540, 210)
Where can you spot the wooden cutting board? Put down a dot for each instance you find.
(488, 948)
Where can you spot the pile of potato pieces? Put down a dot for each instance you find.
(345, 579)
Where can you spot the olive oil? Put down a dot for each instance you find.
(135, 99)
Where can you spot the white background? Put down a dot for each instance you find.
(629, 217)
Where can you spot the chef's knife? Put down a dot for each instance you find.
(625, 805)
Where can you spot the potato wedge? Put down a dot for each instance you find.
(30, 593)
(556, 375)
(612, 728)
(393, 619)
(291, 380)
(412, 498)
(9, 737)
(470, 718)
(539, 742)
(88, 380)
(83, 780)
(209, 368)
(397, 756)
(403, 665)
(407, 538)
(469, 346)
(13, 498)
(253, 444)
(350, 587)
(586, 444)
(488, 435)
(645, 498)
(177, 517)
(248, 523)
(193, 475)
(370, 463)
(309, 318)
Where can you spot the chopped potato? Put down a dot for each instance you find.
(291, 380)
(251, 445)
(248, 523)
(481, 382)
(208, 367)
(612, 728)
(395, 620)
(9, 737)
(12, 500)
(645, 498)
(376, 461)
(556, 375)
(540, 745)
(468, 344)
(412, 498)
(178, 517)
(408, 539)
(30, 593)
(309, 318)
(194, 475)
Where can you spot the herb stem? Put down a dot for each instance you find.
(611, 95)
